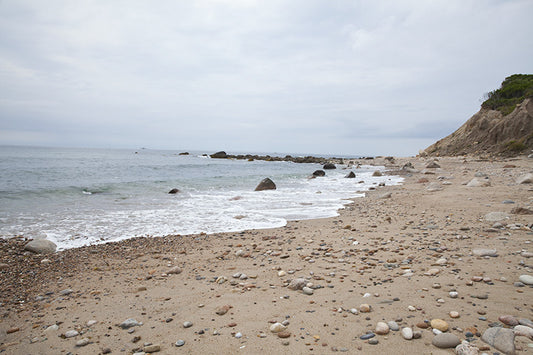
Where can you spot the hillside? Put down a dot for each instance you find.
(503, 125)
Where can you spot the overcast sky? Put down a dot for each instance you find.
(295, 76)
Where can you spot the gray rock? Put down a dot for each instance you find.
(522, 330)
(297, 284)
(500, 338)
(496, 216)
(484, 252)
(41, 246)
(525, 179)
(187, 324)
(526, 279)
(180, 343)
(465, 348)
(66, 292)
(478, 183)
(446, 340)
(71, 333)
(350, 175)
(433, 165)
(385, 195)
(128, 323)
(266, 184)
(393, 326)
(434, 186)
(82, 342)
(329, 166)
(407, 333)
(154, 348)
(526, 322)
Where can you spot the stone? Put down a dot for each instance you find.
(407, 333)
(66, 292)
(307, 291)
(91, 323)
(433, 165)
(365, 308)
(508, 320)
(373, 341)
(41, 246)
(385, 195)
(367, 336)
(484, 252)
(266, 184)
(523, 330)
(393, 326)
(128, 323)
(297, 284)
(465, 348)
(219, 155)
(350, 175)
(82, 342)
(180, 343)
(382, 328)
(223, 310)
(319, 173)
(526, 279)
(154, 348)
(71, 333)
(329, 166)
(284, 334)
(454, 314)
(521, 211)
(453, 294)
(377, 173)
(439, 324)
(526, 322)
(446, 340)
(496, 216)
(51, 328)
(277, 327)
(500, 338)
(174, 191)
(525, 179)
(434, 186)
(187, 324)
(174, 271)
(478, 183)
(12, 330)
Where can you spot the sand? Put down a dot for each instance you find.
(362, 257)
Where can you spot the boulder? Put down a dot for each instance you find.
(433, 165)
(41, 246)
(174, 191)
(329, 166)
(219, 155)
(319, 173)
(525, 179)
(500, 338)
(266, 184)
(350, 175)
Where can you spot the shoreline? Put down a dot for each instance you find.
(362, 251)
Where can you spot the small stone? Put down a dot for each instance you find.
(496, 216)
(91, 323)
(526, 322)
(422, 325)
(187, 324)
(453, 294)
(223, 310)
(382, 328)
(525, 331)
(454, 314)
(307, 291)
(440, 325)
(354, 311)
(106, 351)
(525, 179)
(407, 333)
(393, 326)
(365, 308)
(297, 284)
(180, 343)
(277, 327)
(12, 330)
(82, 342)
(128, 323)
(284, 334)
(526, 279)
(154, 348)
(66, 292)
(71, 333)
(432, 272)
(367, 336)
(238, 335)
(53, 327)
(500, 338)
(508, 320)
(446, 340)
(417, 334)
(465, 348)
(282, 273)
(484, 252)
(174, 271)
(373, 341)
(41, 246)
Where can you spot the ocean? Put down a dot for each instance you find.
(77, 197)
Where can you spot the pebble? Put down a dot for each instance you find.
(454, 314)
(82, 342)
(373, 341)
(154, 348)
(180, 343)
(128, 323)
(439, 324)
(367, 336)
(526, 322)
(508, 320)
(91, 323)
(71, 333)
(307, 291)
(284, 334)
(66, 292)
(407, 333)
(500, 338)
(174, 271)
(525, 331)
(53, 327)
(526, 279)
(187, 324)
(393, 326)
(485, 252)
(365, 308)
(297, 284)
(382, 328)
(238, 335)
(446, 340)
(465, 348)
(453, 294)
(277, 327)
(223, 310)
(12, 330)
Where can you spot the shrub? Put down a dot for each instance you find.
(513, 91)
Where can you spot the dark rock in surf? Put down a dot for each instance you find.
(319, 173)
(219, 155)
(350, 175)
(174, 191)
(329, 166)
(266, 184)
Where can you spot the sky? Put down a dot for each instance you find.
(293, 76)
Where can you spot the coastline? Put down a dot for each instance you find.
(359, 257)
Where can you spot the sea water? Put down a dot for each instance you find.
(76, 197)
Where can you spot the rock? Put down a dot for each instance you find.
(180, 343)
(307, 291)
(508, 320)
(365, 308)
(496, 216)
(266, 184)
(174, 191)
(297, 284)
(433, 165)
(440, 325)
(367, 336)
(521, 210)
(465, 348)
(66, 292)
(277, 327)
(385, 195)
(12, 330)
(284, 334)
(329, 166)
(485, 252)
(91, 323)
(453, 294)
(223, 309)
(154, 348)
(187, 324)
(41, 246)
(526, 279)
(522, 330)
(219, 155)
(82, 342)
(350, 175)
(238, 335)
(4, 266)
(454, 314)
(434, 186)
(478, 183)
(373, 341)
(319, 173)
(71, 333)
(407, 333)
(446, 340)
(382, 328)
(500, 338)
(128, 323)
(526, 322)
(393, 326)
(51, 328)
(377, 173)
(525, 179)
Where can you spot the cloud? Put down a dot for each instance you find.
(253, 75)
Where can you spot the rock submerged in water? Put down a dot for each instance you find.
(350, 175)
(41, 246)
(174, 191)
(266, 184)
(329, 166)
(219, 155)
(319, 173)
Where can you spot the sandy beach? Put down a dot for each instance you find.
(401, 263)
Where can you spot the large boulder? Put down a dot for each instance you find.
(219, 155)
(319, 173)
(41, 246)
(266, 184)
(329, 166)
(350, 175)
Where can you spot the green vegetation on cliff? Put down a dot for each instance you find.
(513, 91)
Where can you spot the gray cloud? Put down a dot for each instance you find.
(343, 77)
